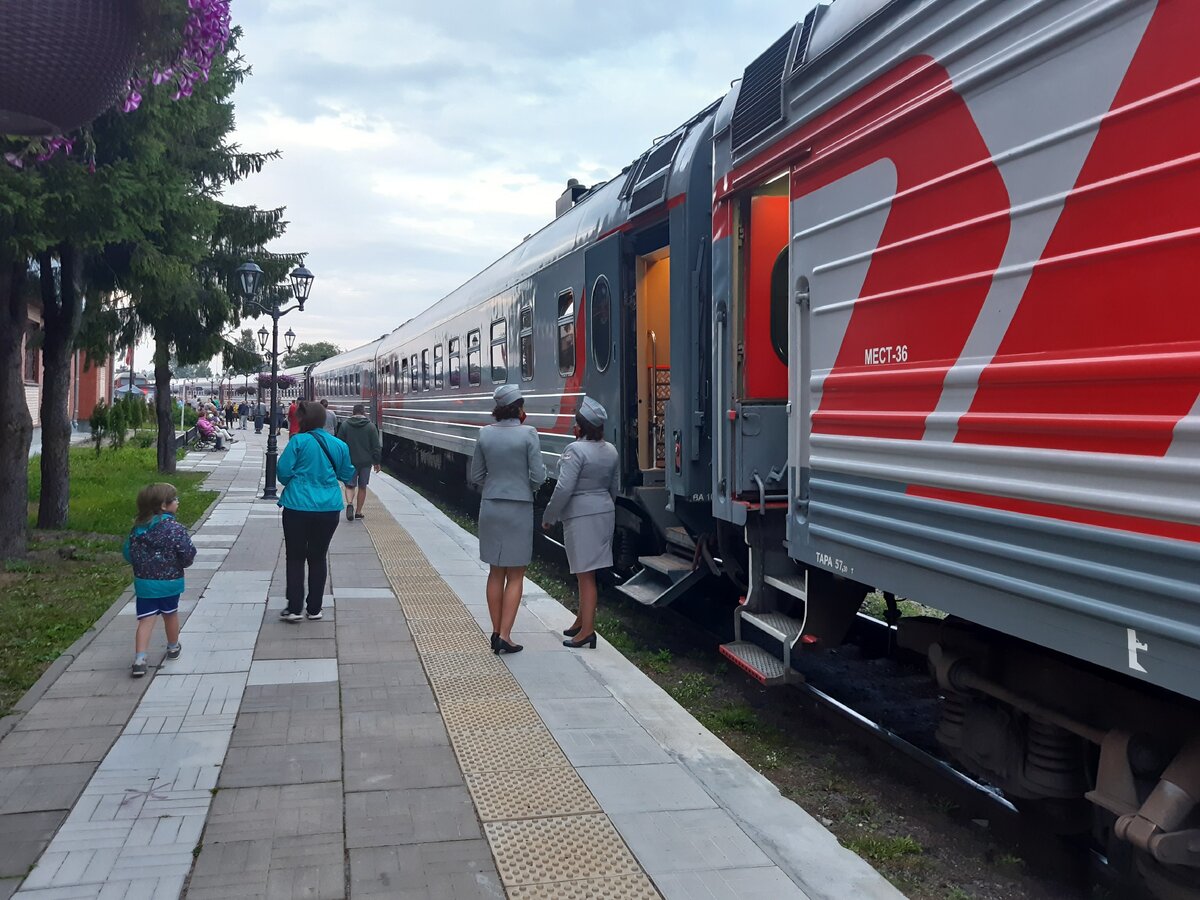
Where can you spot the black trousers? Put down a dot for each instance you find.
(306, 537)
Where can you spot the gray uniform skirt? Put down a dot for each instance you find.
(589, 541)
(506, 532)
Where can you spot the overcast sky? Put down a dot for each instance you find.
(421, 141)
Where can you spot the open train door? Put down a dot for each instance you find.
(607, 347)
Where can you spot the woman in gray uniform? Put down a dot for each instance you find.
(583, 500)
(508, 464)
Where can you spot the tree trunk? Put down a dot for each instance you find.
(162, 406)
(16, 425)
(62, 308)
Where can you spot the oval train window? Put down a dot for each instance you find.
(779, 306)
(601, 323)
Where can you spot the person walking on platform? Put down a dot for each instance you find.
(260, 416)
(243, 414)
(583, 498)
(507, 463)
(331, 422)
(366, 453)
(293, 420)
(310, 468)
(159, 548)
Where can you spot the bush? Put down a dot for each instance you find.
(189, 415)
(98, 422)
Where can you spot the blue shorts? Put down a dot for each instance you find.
(156, 606)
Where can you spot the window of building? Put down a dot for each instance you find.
(601, 323)
(499, 352)
(526, 343)
(437, 367)
(424, 370)
(566, 333)
(473, 366)
(455, 364)
(414, 373)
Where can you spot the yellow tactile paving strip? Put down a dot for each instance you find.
(547, 833)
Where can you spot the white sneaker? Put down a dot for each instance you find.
(313, 617)
(290, 616)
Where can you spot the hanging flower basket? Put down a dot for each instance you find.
(63, 62)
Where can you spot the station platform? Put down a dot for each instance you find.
(383, 751)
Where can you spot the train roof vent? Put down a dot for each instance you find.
(807, 27)
(646, 185)
(760, 100)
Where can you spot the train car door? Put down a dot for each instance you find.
(609, 345)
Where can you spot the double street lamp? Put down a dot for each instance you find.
(249, 284)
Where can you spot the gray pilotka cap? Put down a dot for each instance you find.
(592, 412)
(506, 394)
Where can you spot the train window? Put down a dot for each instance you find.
(526, 342)
(473, 373)
(455, 364)
(601, 327)
(413, 373)
(424, 370)
(566, 333)
(437, 366)
(403, 375)
(357, 384)
(779, 306)
(499, 352)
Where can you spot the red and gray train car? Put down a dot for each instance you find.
(913, 308)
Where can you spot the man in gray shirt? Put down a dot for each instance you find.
(331, 422)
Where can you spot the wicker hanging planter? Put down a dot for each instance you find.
(63, 62)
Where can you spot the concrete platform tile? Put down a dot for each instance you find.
(284, 648)
(554, 675)
(59, 745)
(292, 671)
(42, 788)
(688, 841)
(8, 887)
(265, 729)
(348, 593)
(626, 789)
(219, 640)
(583, 712)
(414, 816)
(184, 750)
(288, 764)
(406, 700)
(398, 674)
(403, 730)
(449, 870)
(77, 712)
(23, 837)
(761, 883)
(230, 871)
(246, 814)
(373, 764)
(610, 747)
(308, 696)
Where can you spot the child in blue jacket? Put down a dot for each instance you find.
(159, 549)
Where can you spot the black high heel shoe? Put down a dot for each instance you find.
(589, 641)
(571, 632)
(503, 646)
(495, 637)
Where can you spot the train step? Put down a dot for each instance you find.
(653, 587)
(782, 628)
(677, 536)
(792, 585)
(759, 664)
(674, 567)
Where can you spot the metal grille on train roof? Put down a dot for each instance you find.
(800, 57)
(760, 100)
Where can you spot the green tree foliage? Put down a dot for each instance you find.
(191, 370)
(304, 354)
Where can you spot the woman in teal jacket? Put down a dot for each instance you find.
(310, 467)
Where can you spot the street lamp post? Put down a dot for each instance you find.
(249, 283)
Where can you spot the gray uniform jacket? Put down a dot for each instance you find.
(508, 461)
(588, 476)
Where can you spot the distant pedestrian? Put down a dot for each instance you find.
(331, 422)
(230, 415)
(588, 479)
(507, 463)
(159, 549)
(310, 468)
(294, 421)
(366, 453)
(260, 416)
(243, 414)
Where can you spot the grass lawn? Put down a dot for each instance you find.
(71, 577)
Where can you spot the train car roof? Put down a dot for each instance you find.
(359, 354)
(604, 209)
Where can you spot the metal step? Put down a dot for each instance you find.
(793, 585)
(653, 588)
(758, 663)
(677, 536)
(783, 628)
(674, 567)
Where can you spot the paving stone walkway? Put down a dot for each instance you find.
(383, 751)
